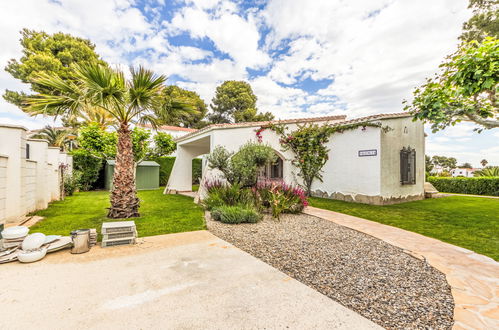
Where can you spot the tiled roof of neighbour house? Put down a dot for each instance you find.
(171, 128)
(260, 123)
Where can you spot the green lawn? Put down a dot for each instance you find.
(469, 222)
(160, 214)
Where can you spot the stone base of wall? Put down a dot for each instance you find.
(365, 199)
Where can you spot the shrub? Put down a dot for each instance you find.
(461, 185)
(220, 194)
(88, 166)
(242, 168)
(71, 182)
(216, 214)
(281, 197)
(165, 168)
(197, 170)
(236, 214)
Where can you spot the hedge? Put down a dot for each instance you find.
(166, 165)
(461, 185)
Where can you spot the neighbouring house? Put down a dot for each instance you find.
(367, 165)
(466, 172)
(30, 173)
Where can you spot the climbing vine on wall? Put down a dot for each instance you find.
(308, 144)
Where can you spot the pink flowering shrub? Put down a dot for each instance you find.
(281, 197)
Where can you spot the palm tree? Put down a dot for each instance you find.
(127, 101)
(56, 137)
(484, 162)
(488, 171)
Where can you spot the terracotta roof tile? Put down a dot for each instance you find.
(261, 123)
(297, 121)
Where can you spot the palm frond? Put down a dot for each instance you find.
(67, 97)
(104, 86)
(149, 119)
(143, 89)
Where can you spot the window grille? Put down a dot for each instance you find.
(408, 166)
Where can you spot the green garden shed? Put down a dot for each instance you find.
(147, 175)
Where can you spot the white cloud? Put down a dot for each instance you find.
(460, 130)
(231, 33)
(377, 51)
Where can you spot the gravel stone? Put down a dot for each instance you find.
(363, 273)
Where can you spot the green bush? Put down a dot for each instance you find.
(236, 214)
(242, 167)
(71, 182)
(88, 168)
(228, 195)
(197, 170)
(166, 165)
(460, 185)
(216, 214)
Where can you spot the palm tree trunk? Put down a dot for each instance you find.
(124, 201)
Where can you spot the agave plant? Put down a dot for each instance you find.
(488, 171)
(127, 101)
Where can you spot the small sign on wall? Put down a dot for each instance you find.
(367, 153)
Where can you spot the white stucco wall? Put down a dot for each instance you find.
(404, 133)
(3, 185)
(38, 152)
(53, 173)
(11, 138)
(30, 184)
(26, 185)
(347, 173)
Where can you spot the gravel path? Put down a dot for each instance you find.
(374, 278)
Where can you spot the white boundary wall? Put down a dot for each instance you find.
(27, 184)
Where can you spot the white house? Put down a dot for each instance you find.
(466, 172)
(367, 165)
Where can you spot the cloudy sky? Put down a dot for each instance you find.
(303, 58)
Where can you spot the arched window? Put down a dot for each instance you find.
(273, 171)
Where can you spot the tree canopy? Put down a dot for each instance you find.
(444, 163)
(190, 114)
(484, 21)
(163, 145)
(465, 89)
(51, 54)
(235, 102)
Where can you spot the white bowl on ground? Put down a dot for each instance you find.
(33, 241)
(31, 256)
(15, 232)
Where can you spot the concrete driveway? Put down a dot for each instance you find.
(181, 281)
